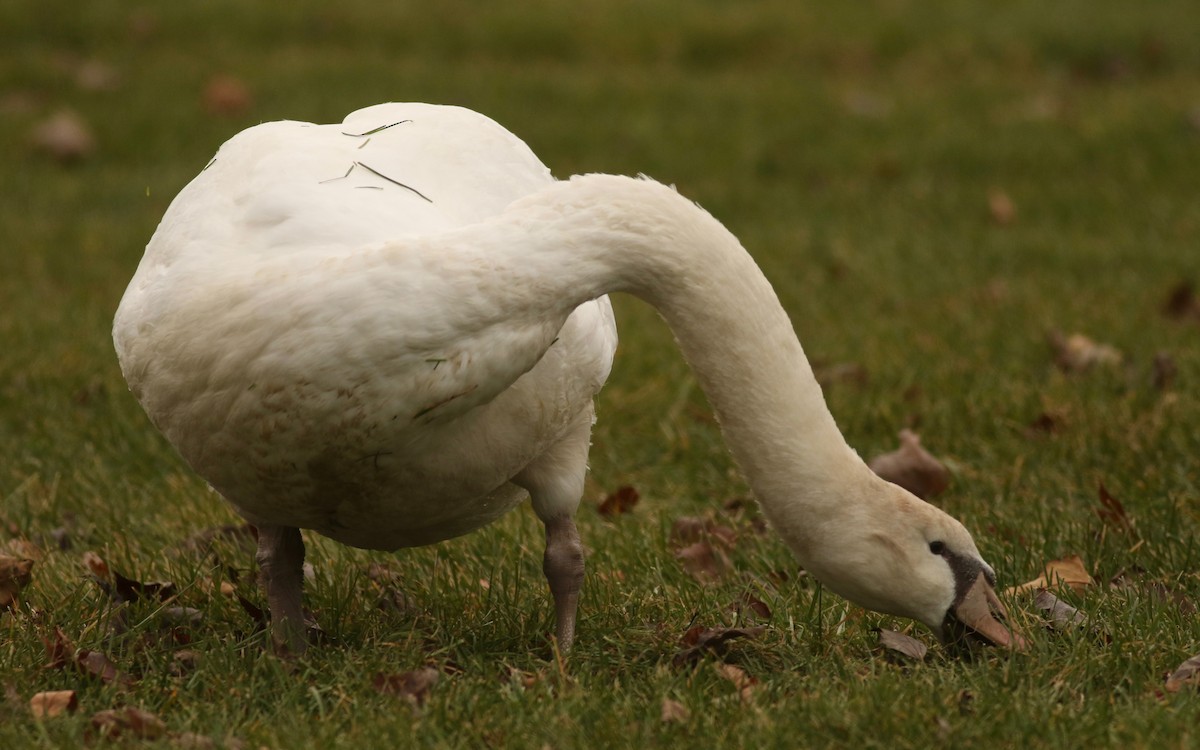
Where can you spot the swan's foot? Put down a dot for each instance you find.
(563, 565)
(281, 564)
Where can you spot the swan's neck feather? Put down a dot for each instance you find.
(597, 234)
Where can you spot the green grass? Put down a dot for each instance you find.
(852, 149)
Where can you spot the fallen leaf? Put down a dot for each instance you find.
(1062, 616)
(621, 501)
(1162, 592)
(1182, 302)
(96, 664)
(227, 96)
(691, 529)
(704, 562)
(742, 681)
(1078, 353)
(128, 721)
(674, 711)
(59, 651)
(1001, 207)
(700, 639)
(1048, 423)
(899, 643)
(49, 704)
(64, 136)
(1112, 512)
(15, 574)
(912, 467)
(191, 741)
(1188, 674)
(750, 604)
(121, 588)
(1069, 571)
(413, 686)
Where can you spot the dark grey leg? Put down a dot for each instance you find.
(281, 565)
(563, 566)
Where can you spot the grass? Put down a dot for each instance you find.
(853, 149)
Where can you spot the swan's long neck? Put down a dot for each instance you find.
(598, 234)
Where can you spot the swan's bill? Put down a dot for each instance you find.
(978, 608)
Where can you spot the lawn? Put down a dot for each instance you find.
(933, 189)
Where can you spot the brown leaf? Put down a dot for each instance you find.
(15, 574)
(1001, 207)
(674, 711)
(121, 588)
(96, 664)
(704, 562)
(749, 604)
(1113, 513)
(128, 721)
(49, 704)
(621, 501)
(226, 96)
(64, 137)
(691, 529)
(1187, 675)
(59, 651)
(899, 643)
(699, 639)
(1069, 571)
(912, 467)
(413, 686)
(1062, 616)
(1182, 302)
(192, 741)
(742, 681)
(1078, 353)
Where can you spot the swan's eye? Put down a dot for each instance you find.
(937, 547)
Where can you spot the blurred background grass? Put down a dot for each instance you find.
(862, 152)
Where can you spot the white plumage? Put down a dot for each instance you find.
(385, 330)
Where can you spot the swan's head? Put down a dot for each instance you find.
(912, 559)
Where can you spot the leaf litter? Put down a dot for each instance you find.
(912, 467)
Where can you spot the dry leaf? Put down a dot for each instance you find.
(1078, 353)
(226, 95)
(96, 664)
(691, 529)
(413, 686)
(674, 711)
(700, 639)
(15, 574)
(128, 721)
(1001, 207)
(64, 136)
(704, 562)
(50, 704)
(1188, 674)
(60, 651)
(1062, 616)
(1113, 513)
(621, 501)
(1069, 571)
(1182, 302)
(192, 741)
(899, 643)
(912, 467)
(749, 604)
(742, 681)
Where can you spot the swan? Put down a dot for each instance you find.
(391, 330)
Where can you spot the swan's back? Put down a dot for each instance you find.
(387, 171)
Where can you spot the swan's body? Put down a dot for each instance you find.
(381, 333)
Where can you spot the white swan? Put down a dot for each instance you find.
(384, 330)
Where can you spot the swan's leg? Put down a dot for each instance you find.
(555, 484)
(281, 564)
